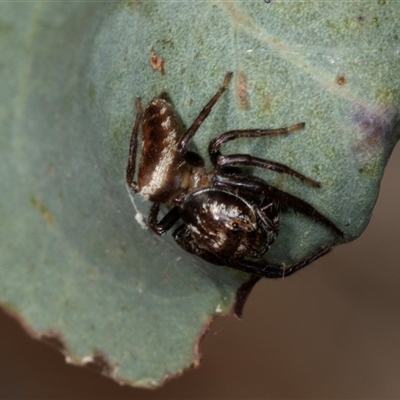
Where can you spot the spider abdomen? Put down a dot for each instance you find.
(162, 171)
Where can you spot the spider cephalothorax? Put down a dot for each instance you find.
(224, 223)
(229, 217)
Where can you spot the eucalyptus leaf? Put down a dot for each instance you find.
(76, 265)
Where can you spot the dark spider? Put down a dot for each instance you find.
(229, 218)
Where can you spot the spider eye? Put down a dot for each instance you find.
(235, 228)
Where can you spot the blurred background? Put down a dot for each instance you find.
(332, 330)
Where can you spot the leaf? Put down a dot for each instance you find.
(74, 263)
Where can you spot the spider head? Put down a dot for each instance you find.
(222, 223)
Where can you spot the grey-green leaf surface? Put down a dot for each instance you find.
(75, 263)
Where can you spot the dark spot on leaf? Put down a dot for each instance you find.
(376, 133)
(157, 62)
(376, 126)
(341, 80)
(46, 213)
(241, 85)
(167, 42)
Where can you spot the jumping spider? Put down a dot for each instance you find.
(229, 217)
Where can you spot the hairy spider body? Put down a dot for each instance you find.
(229, 218)
(163, 173)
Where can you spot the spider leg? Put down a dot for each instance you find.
(220, 161)
(130, 169)
(166, 223)
(274, 271)
(193, 159)
(253, 188)
(203, 114)
(248, 160)
(216, 143)
(265, 221)
(259, 269)
(269, 225)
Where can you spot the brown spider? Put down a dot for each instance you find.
(229, 218)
